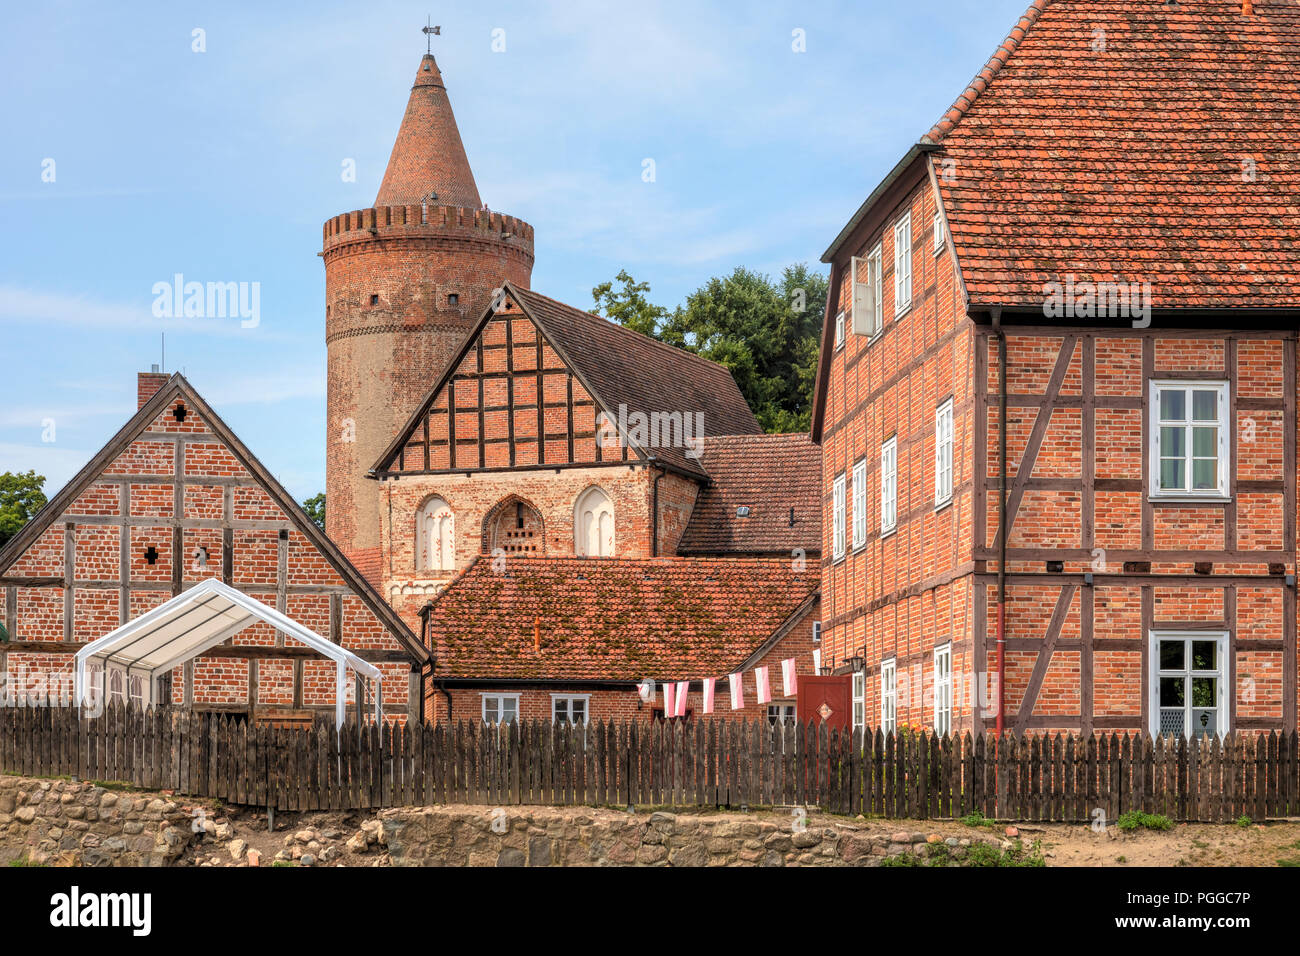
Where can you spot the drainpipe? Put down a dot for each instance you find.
(654, 509)
(1002, 517)
(424, 639)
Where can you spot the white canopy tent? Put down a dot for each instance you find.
(203, 617)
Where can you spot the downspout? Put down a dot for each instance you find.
(654, 511)
(424, 639)
(1002, 517)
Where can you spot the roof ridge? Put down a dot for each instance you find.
(624, 329)
(985, 76)
(662, 560)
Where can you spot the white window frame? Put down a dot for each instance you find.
(565, 702)
(943, 689)
(839, 330)
(859, 699)
(868, 304)
(500, 699)
(859, 504)
(1223, 673)
(1156, 424)
(817, 632)
(943, 453)
(888, 696)
(837, 517)
(889, 485)
(903, 264)
(786, 712)
(937, 226)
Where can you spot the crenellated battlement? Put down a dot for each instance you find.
(414, 221)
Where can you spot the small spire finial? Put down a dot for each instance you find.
(430, 31)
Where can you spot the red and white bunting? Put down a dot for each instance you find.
(817, 660)
(708, 695)
(737, 691)
(683, 688)
(763, 685)
(646, 691)
(670, 699)
(789, 680)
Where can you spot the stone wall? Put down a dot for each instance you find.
(546, 836)
(57, 822)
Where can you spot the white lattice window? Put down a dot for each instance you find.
(500, 708)
(888, 696)
(889, 485)
(1189, 439)
(943, 689)
(839, 330)
(837, 517)
(593, 519)
(570, 708)
(1189, 678)
(903, 265)
(435, 536)
(859, 504)
(943, 453)
(937, 227)
(859, 700)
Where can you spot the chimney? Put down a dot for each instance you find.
(147, 385)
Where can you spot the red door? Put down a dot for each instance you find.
(826, 700)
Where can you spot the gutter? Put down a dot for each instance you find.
(893, 176)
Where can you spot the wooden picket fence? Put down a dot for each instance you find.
(703, 763)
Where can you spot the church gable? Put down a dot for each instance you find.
(510, 400)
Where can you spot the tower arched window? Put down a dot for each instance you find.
(593, 533)
(435, 536)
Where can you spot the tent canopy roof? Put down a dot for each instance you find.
(201, 618)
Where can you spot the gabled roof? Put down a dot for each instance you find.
(771, 476)
(618, 367)
(428, 155)
(1132, 141)
(178, 387)
(614, 619)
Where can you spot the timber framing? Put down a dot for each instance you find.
(1087, 577)
(175, 524)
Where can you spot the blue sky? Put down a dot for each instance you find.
(223, 165)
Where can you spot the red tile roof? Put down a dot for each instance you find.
(769, 475)
(1127, 141)
(613, 618)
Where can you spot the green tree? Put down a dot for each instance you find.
(765, 332)
(628, 305)
(315, 508)
(21, 496)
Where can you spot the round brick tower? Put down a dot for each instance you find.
(404, 281)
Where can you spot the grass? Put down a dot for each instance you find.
(1242, 821)
(1288, 861)
(1137, 820)
(283, 863)
(23, 861)
(976, 819)
(979, 854)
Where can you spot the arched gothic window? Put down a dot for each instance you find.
(435, 536)
(593, 533)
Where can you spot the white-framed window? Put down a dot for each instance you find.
(839, 330)
(500, 708)
(1189, 439)
(943, 689)
(943, 453)
(1189, 683)
(859, 700)
(435, 536)
(889, 485)
(876, 276)
(781, 712)
(888, 696)
(937, 227)
(903, 264)
(115, 692)
(860, 504)
(817, 632)
(570, 708)
(868, 304)
(837, 517)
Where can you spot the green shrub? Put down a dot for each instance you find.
(1136, 819)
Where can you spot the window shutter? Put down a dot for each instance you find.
(863, 304)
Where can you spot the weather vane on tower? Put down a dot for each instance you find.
(430, 31)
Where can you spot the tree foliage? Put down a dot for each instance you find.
(764, 331)
(315, 508)
(21, 496)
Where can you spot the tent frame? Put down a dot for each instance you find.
(219, 613)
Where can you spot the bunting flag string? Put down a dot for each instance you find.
(670, 699)
(817, 660)
(683, 689)
(708, 695)
(763, 685)
(646, 691)
(737, 691)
